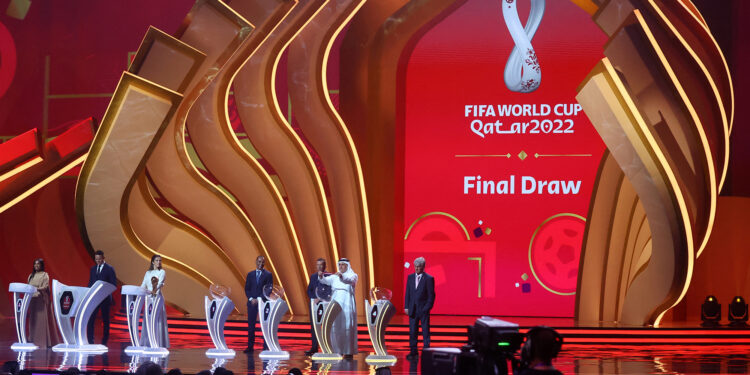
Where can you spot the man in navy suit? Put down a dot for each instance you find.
(311, 287)
(101, 271)
(254, 284)
(420, 296)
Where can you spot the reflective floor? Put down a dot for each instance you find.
(573, 360)
(187, 352)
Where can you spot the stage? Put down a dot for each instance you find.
(686, 349)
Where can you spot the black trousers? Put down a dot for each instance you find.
(413, 329)
(104, 308)
(252, 317)
(314, 347)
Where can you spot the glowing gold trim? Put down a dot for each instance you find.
(44, 182)
(710, 165)
(723, 115)
(479, 281)
(587, 5)
(298, 141)
(483, 156)
(643, 132)
(323, 79)
(223, 86)
(129, 83)
(20, 168)
(466, 232)
(142, 184)
(702, 23)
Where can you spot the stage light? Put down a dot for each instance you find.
(737, 312)
(710, 312)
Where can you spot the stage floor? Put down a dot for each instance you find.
(646, 355)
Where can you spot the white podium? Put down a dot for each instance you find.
(134, 297)
(325, 313)
(379, 313)
(79, 302)
(22, 294)
(218, 308)
(152, 314)
(271, 311)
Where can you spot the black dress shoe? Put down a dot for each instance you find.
(412, 356)
(348, 356)
(310, 352)
(249, 349)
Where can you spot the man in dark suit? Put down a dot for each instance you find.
(101, 271)
(420, 296)
(311, 287)
(254, 284)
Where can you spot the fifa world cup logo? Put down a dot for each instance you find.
(522, 70)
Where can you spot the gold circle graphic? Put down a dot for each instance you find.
(533, 272)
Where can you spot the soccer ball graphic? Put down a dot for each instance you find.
(554, 252)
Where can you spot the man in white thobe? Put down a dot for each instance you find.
(344, 331)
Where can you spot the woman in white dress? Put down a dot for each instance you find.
(344, 331)
(153, 281)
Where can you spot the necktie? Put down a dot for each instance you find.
(257, 276)
(419, 277)
(99, 269)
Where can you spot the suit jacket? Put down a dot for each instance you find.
(313, 284)
(419, 300)
(253, 288)
(107, 274)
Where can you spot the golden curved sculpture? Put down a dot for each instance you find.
(328, 135)
(275, 140)
(211, 232)
(158, 57)
(220, 151)
(661, 102)
(138, 113)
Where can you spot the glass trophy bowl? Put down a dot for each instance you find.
(273, 292)
(219, 291)
(377, 293)
(324, 292)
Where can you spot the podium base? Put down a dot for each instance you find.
(87, 348)
(374, 359)
(269, 354)
(155, 352)
(135, 350)
(327, 357)
(23, 347)
(214, 352)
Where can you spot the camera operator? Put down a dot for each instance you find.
(541, 346)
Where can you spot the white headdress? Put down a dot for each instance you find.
(349, 270)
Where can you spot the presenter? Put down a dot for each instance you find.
(41, 332)
(101, 271)
(420, 296)
(153, 281)
(311, 287)
(254, 284)
(344, 331)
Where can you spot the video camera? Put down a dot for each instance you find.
(492, 343)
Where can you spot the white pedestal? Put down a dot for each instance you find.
(22, 294)
(78, 302)
(217, 312)
(153, 311)
(270, 313)
(379, 314)
(325, 313)
(134, 301)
